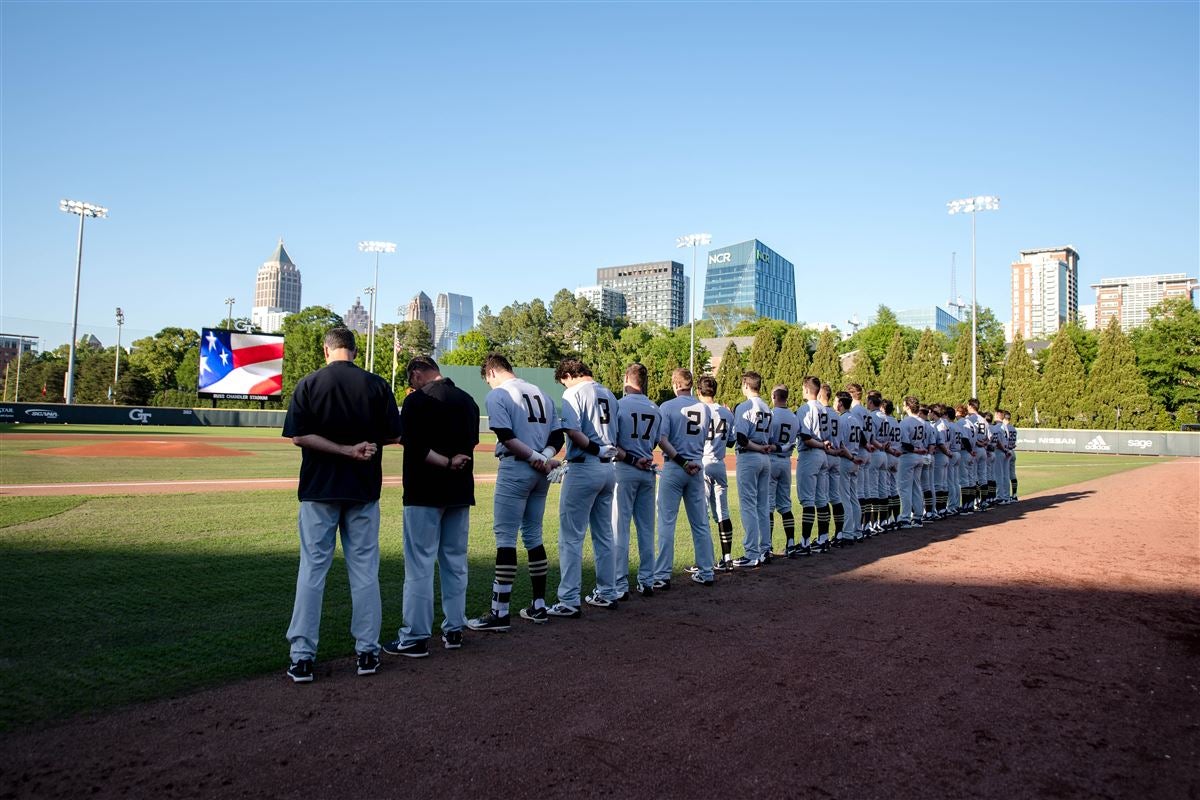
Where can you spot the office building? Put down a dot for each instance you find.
(609, 302)
(358, 318)
(454, 315)
(276, 291)
(1130, 299)
(935, 318)
(751, 275)
(654, 292)
(421, 308)
(13, 343)
(1045, 291)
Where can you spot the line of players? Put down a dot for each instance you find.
(859, 472)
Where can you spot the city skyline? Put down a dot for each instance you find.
(523, 185)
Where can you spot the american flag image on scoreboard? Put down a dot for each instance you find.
(233, 363)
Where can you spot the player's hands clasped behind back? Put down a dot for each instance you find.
(363, 451)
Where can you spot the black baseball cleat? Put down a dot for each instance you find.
(745, 563)
(702, 581)
(644, 590)
(368, 663)
(301, 671)
(537, 616)
(417, 649)
(490, 621)
(662, 586)
(564, 610)
(452, 640)
(724, 565)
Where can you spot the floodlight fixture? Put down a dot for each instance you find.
(83, 211)
(972, 205)
(693, 240)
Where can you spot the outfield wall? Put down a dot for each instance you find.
(1128, 443)
(1051, 440)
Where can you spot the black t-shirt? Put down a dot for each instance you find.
(346, 405)
(443, 418)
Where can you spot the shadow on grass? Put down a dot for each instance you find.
(89, 629)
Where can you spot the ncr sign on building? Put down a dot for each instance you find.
(750, 274)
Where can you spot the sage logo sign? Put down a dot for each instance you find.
(137, 415)
(1139, 444)
(720, 258)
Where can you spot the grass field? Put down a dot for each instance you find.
(112, 600)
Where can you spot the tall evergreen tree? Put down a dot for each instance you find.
(729, 377)
(959, 383)
(1168, 354)
(825, 362)
(894, 372)
(1019, 388)
(927, 373)
(764, 353)
(1115, 382)
(863, 372)
(793, 360)
(1061, 392)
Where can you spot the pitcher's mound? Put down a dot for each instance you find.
(143, 450)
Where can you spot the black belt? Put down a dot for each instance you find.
(582, 459)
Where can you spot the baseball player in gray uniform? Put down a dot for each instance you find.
(927, 462)
(751, 423)
(829, 481)
(589, 418)
(1000, 469)
(684, 429)
(980, 441)
(941, 460)
(810, 461)
(863, 423)
(783, 436)
(889, 430)
(528, 436)
(822, 494)
(912, 443)
(881, 439)
(721, 437)
(639, 425)
(1012, 449)
(850, 440)
(966, 467)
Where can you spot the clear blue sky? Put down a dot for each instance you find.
(511, 149)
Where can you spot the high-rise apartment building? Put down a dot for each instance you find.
(454, 315)
(1130, 299)
(421, 308)
(276, 291)
(654, 292)
(358, 318)
(609, 302)
(1045, 291)
(751, 275)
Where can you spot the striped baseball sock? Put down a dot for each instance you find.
(1012, 483)
(506, 573)
(991, 490)
(822, 524)
(839, 518)
(893, 508)
(725, 531)
(789, 526)
(807, 515)
(928, 501)
(538, 567)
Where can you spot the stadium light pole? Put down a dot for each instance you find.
(972, 205)
(369, 358)
(83, 210)
(117, 364)
(229, 301)
(693, 240)
(376, 248)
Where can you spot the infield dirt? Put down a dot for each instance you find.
(1048, 649)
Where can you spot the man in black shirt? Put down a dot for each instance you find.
(441, 429)
(340, 416)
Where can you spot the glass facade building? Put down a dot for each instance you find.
(751, 274)
(935, 318)
(654, 292)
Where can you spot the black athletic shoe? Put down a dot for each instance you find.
(725, 565)
(623, 597)
(452, 640)
(692, 570)
(368, 663)
(537, 616)
(644, 590)
(766, 558)
(703, 582)
(301, 671)
(662, 586)
(490, 621)
(744, 563)
(418, 649)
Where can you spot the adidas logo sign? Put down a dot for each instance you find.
(1097, 444)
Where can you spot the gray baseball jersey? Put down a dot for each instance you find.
(752, 419)
(639, 423)
(525, 410)
(591, 409)
(783, 432)
(685, 424)
(720, 433)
